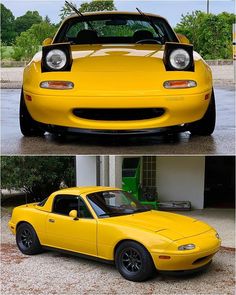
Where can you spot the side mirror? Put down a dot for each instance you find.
(183, 39)
(74, 214)
(47, 41)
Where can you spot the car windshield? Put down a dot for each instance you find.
(115, 29)
(114, 203)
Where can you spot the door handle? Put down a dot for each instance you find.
(51, 220)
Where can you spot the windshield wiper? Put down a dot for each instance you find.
(150, 20)
(79, 13)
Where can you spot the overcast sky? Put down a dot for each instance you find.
(171, 10)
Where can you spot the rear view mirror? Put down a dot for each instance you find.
(116, 22)
(74, 214)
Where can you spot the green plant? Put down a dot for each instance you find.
(37, 176)
(210, 34)
(29, 42)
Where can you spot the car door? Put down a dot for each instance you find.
(71, 234)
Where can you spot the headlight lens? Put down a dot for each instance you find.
(186, 247)
(179, 59)
(56, 59)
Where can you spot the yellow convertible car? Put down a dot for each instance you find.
(116, 72)
(108, 224)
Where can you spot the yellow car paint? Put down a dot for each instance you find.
(161, 233)
(117, 76)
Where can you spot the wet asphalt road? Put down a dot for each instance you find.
(221, 142)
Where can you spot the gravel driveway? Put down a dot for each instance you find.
(55, 273)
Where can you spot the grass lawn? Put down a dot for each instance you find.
(6, 53)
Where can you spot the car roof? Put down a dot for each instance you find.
(84, 190)
(111, 12)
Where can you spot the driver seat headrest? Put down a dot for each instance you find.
(87, 37)
(142, 35)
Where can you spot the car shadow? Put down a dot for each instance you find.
(110, 267)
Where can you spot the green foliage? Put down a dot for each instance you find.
(210, 34)
(25, 47)
(8, 33)
(97, 5)
(47, 19)
(94, 5)
(24, 22)
(66, 10)
(3, 50)
(29, 42)
(6, 52)
(37, 176)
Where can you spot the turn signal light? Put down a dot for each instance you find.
(60, 85)
(28, 97)
(164, 257)
(175, 84)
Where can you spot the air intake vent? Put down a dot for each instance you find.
(119, 114)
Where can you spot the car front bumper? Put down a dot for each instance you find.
(207, 245)
(58, 110)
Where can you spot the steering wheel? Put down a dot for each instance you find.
(148, 41)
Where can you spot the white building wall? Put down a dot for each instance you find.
(115, 171)
(181, 179)
(86, 171)
(104, 170)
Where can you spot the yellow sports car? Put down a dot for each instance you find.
(117, 72)
(108, 224)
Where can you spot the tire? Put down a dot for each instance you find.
(206, 125)
(27, 240)
(134, 262)
(28, 126)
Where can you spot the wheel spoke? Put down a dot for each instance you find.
(26, 238)
(131, 260)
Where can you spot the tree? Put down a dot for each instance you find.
(37, 176)
(3, 50)
(7, 25)
(24, 22)
(210, 34)
(97, 5)
(28, 43)
(94, 5)
(47, 19)
(66, 10)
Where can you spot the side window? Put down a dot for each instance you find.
(63, 204)
(83, 211)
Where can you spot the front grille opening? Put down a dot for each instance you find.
(202, 259)
(119, 114)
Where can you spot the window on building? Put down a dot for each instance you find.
(149, 181)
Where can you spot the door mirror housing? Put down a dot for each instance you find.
(47, 41)
(74, 214)
(183, 39)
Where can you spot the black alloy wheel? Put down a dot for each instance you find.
(134, 262)
(27, 239)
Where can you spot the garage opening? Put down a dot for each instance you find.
(219, 182)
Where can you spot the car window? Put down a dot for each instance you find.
(83, 211)
(114, 203)
(42, 203)
(63, 204)
(117, 29)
